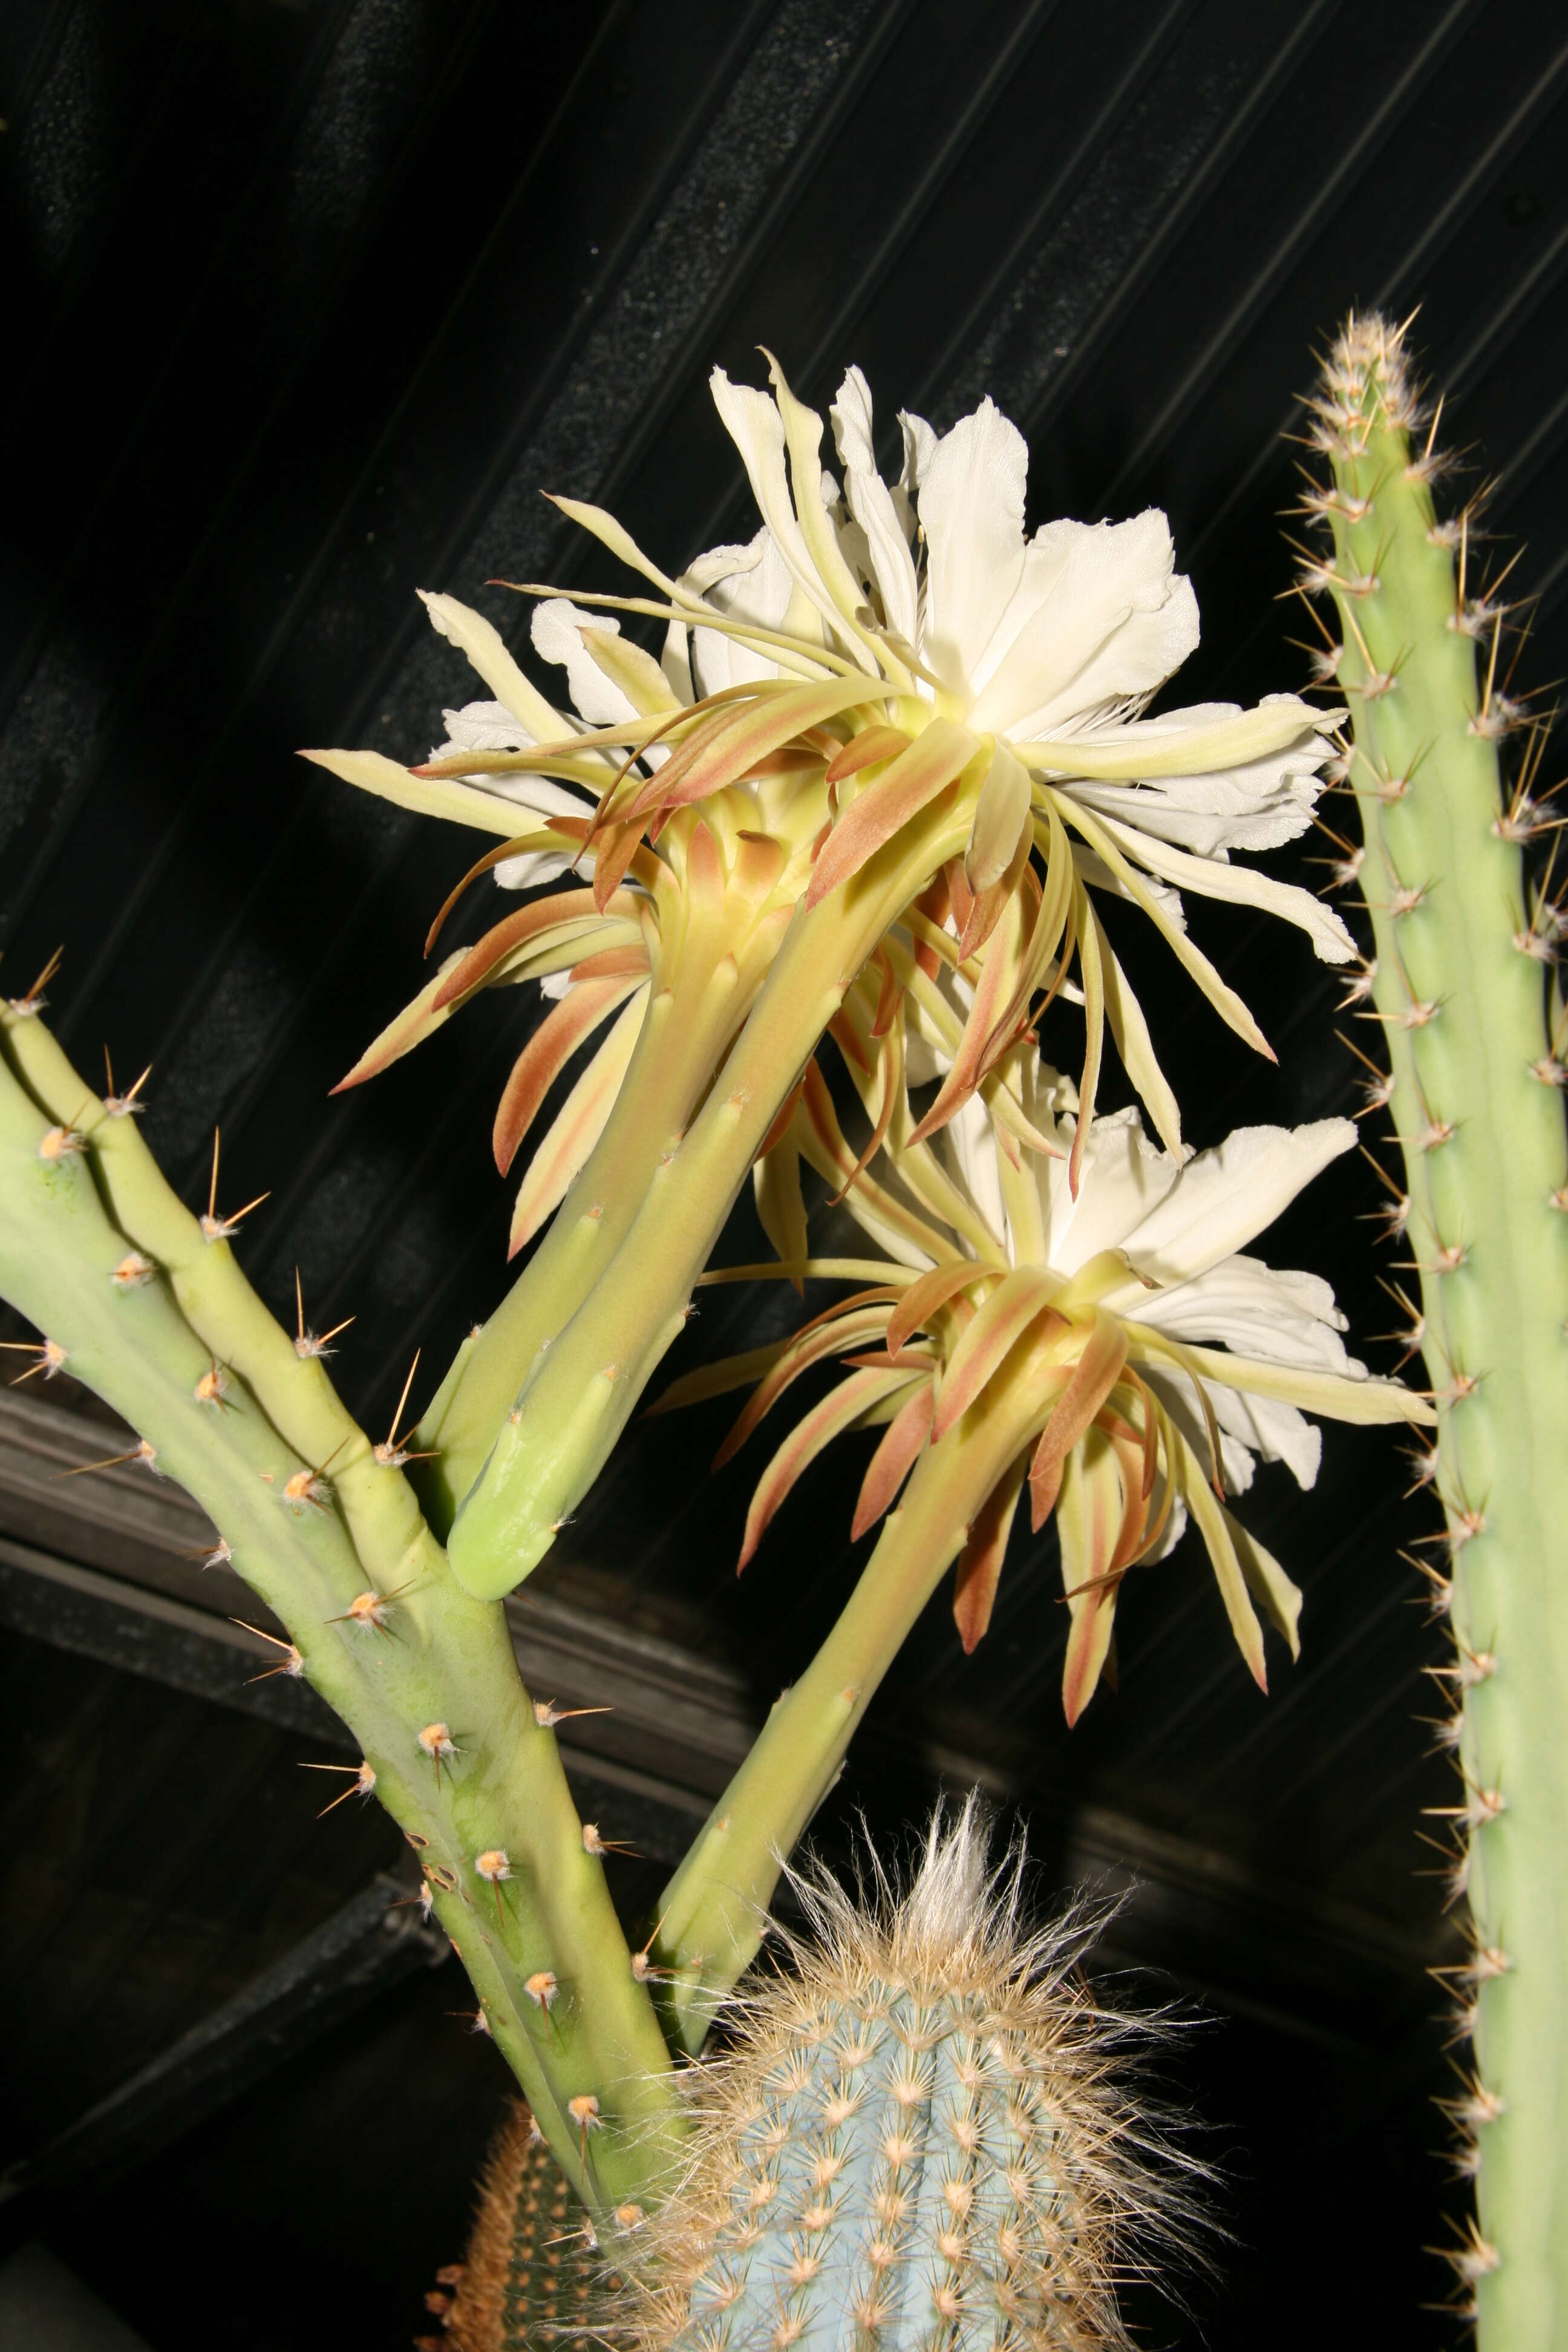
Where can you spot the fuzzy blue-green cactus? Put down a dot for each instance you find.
(147, 1305)
(1464, 950)
(921, 2136)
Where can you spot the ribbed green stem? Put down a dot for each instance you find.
(585, 1390)
(706, 980)
(711, 1911)
(68, 1218)
(1479, 1115)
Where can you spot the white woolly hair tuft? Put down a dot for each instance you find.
(953, 1941)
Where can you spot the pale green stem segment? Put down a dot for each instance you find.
(583, 1390)
(707, 978)
(712, 1912)
(70, 1215)
(1460, 989)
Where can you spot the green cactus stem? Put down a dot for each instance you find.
(1459, 985)
(154, 1315)
(721, 918)
(917, 2137)
(583, 1390)
(712, 1911)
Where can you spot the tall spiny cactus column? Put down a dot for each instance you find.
(1459, 983)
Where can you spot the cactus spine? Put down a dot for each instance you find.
(1459, 985)
(331, 1539)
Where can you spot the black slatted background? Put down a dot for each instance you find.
(307, 298)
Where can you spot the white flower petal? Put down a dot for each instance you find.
(1048, 1099)
(968, 1146)
(972, 511)
(1257, 805)
(541, 795)
(1125, 1179)
(1226, 1196)
(1174, 1529)
(556, 631)
(678, 658)
(529, 867)
(490, 727)
(482, 727)
(755, 584)
(1274, 1431)
(1248, 1425)
(1179, 1396)
(871, 503)
(535, 866)
(1100, 616)
(756, 428)
(920, 449)
(484, 647)
(1274, 1314)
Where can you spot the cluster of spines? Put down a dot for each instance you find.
(324, 1526)
(1369, 402)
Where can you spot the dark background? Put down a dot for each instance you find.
(306, 299)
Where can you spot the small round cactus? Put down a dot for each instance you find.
(917, 2136)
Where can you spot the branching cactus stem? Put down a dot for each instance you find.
(1459, 987)
(566, 1421)
(331, 1540)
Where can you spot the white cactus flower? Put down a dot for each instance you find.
(1055, 643)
